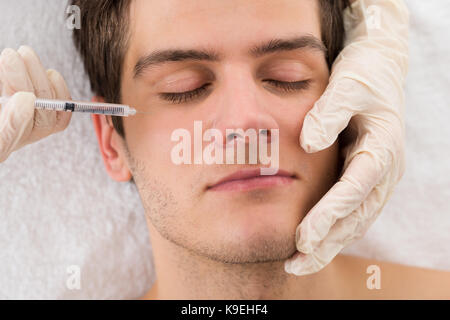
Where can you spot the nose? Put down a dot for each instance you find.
(241, 106)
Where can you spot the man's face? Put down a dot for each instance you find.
(227, 224)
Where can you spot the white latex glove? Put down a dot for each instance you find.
(366, 87)
(23, 77)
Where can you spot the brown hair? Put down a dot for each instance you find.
(332, 27)
(103, 38)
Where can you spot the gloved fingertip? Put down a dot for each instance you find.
(307, 145)
(298, 264)
(8, 57)
(23, 49)
(300, 241)
(304, 144)
(59, 85)
(287, 267)
(312, 136)
(23, 99)
(6, 52)
(294, 268)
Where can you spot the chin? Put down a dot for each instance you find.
(262, 246)
(262, 222)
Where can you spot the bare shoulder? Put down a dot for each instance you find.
(387, 280)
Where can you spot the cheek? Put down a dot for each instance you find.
(293, 114)
(324, 168)
(319, 174)
(149, 141)
(295, 109)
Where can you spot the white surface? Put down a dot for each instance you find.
(58, 207)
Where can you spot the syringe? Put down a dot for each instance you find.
(79, 106)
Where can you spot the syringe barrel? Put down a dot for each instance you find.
(78, 106)
(49, 104)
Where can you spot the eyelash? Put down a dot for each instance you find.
(180, 97)
(290, 86)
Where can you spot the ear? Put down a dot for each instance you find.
(111, 146)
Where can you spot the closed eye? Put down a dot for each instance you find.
(289, 86)
(180, 97)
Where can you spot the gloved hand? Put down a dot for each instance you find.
(366, 92)
(23, 77)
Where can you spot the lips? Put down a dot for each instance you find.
(248, 179)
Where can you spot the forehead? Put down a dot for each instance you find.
(225, 25)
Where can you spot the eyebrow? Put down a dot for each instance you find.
(275, 45)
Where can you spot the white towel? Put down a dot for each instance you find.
(59, 208)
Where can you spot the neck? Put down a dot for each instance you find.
(182, 274)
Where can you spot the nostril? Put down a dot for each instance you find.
(233, 135)
(267, 133)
